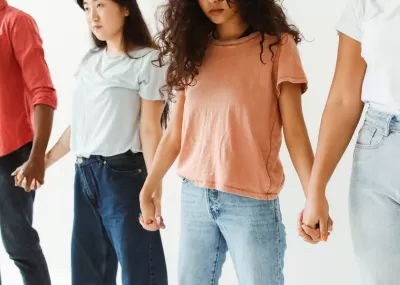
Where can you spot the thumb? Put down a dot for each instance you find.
(323, 227)
(16, 171)
(157, 212)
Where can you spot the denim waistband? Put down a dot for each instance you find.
(386, 122)
(80, 160)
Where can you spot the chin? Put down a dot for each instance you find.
(217, 21)
(100, 37)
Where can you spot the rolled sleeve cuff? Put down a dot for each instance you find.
(46, 98)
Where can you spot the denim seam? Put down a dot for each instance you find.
(216, 262)
(269, 155)
(279, 269)
(151, 271)
(209, 208)
(85, 183)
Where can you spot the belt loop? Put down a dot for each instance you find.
(387, 125)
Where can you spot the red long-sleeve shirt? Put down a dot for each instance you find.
(24, 77)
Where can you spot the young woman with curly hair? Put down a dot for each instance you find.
(236, 78)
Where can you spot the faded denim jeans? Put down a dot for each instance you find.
(214, 222)
(375, 199)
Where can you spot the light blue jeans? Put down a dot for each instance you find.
(375, 199)
(214, 222)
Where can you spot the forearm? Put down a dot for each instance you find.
(43, 122)
(338, 124)
(167, 152)
(60, 149)
(301, 153)
(150, 141)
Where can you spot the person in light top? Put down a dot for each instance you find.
(367, 73)
(116, 127)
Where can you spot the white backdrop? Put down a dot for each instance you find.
(66, 39)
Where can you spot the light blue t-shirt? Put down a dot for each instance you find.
(107, 99)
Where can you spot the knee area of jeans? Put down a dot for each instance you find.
(16, 251)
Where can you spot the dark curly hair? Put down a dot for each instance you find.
(135, 33)
(186, 35)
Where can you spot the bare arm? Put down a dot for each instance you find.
(150, 129)
(168, 149)
(295, 131)
(341, 116)
(167, 152)
(344, 108)
(60, 149)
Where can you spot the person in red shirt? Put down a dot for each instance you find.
(27, 103)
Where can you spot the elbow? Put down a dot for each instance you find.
(45, 96)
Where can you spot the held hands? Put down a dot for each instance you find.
(150, 205)
(30, 175)
(314, 223)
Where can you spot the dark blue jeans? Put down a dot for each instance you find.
(21, 241)
(106, 228)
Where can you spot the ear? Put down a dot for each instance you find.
(126, 12)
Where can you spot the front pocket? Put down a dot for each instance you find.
(369, 137)
(126, 165)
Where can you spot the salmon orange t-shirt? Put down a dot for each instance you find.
(232, 130)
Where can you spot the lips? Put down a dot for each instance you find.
(216, 11)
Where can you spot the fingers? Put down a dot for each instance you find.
(19, 178)
(159, 219)
(301, 232)
(330, 225)
(323, 227)
(148, 224)
(22, 181)
(16, 171)
(313, 233)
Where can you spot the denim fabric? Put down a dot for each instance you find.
(214, 222)
(106, 229)
(20, 239)
(375, 199)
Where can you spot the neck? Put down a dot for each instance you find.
(3, 3)
(115, 46)
(231, 29)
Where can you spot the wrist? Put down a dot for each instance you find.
(316, 190)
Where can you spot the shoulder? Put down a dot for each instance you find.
(91, 53)
(145, 55)
(16, 16)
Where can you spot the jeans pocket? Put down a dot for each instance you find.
(128, 165)
(185, 181)
(369, 137)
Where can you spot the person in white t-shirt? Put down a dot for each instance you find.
(367, 72)
(115, 130)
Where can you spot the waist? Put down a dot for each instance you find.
(81, 160)
(386, 122)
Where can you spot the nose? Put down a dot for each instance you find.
(94, 17)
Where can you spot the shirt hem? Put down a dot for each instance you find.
(16, 146)
(271, 195)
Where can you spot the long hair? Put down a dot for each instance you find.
(135, 33)
(187, 30)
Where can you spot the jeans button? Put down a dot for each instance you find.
(79, 160)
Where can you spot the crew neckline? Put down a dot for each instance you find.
(235, 41)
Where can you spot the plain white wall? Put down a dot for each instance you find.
(66, 39)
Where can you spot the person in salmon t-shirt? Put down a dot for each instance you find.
(238, 78)
(26, 91)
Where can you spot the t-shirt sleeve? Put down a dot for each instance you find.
(288, 65)
(151, 77)
(349, 22)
